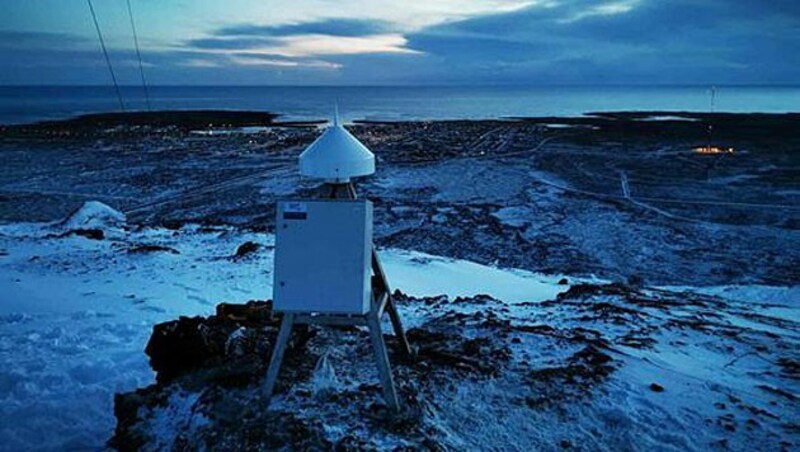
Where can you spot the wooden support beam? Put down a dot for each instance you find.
(382, 359)
(277, 354)
(394, 316)
(397, 326)
(380, 303)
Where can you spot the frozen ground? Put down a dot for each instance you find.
(693, 346)
(75, 314)
(622, 199)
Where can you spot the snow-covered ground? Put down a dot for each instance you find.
(76, 313)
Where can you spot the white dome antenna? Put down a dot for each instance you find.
(336, 155)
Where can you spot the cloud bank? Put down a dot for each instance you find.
(536, 42)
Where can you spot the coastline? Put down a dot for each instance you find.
(396, 103)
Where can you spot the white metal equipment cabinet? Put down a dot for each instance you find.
(323, 253)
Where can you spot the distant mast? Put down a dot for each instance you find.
(713, 108)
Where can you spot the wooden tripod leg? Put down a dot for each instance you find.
(397, 326)
(384, 369)
(277, 355)
(394, 316)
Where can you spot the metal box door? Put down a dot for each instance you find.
(323, 252)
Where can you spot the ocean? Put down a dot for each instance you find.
(24, 104)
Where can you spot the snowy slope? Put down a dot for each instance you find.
(76, 313)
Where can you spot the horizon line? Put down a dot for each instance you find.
(405, 85)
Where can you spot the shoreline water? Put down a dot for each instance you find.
(26, 104)
(245, 120)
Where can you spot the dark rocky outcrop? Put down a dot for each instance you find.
(223, 358)
(246, 249)
(192, 343)
(474, 357)
(151, 248)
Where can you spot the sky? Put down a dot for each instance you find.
(355, 42)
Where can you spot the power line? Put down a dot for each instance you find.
(105, 53)
(139, 56)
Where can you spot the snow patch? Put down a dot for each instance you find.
(94, 215)
(516, 216)
(421, 274)
(324, 380)
(179, 415)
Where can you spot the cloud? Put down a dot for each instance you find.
(315, 45)
(234, 43)
(531, 42)
(645, 41)
(328, 27)
(200, 63)
(603, 9)
(32, 39)
(273, 62)
(306, 45)
(297, 44)
(286, 45)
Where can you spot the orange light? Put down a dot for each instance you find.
(713, 150)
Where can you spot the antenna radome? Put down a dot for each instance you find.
(336, 156)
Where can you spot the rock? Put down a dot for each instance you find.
(584, 290)
(182, 345)
(244, 341)
(635, 281)
(655, 387)
(93, 234)
(789, 367)
(229, 348)
(254, 313)
(563, 282)
(126, 410)
(217, 356)
(246, 249)
(172, 225)
(150, 248)
(218, 364)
